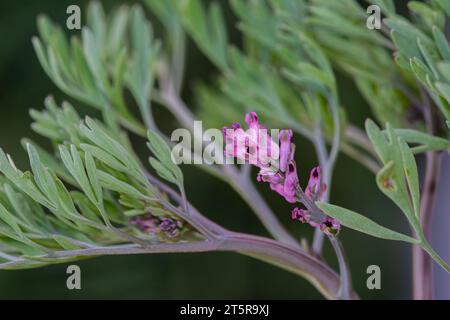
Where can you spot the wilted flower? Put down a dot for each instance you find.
(170, 227)
(162, 227)
(146, 224)
(315, 191)
(328, 225)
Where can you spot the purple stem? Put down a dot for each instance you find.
(422, 262)
(277, 253)
(289, 257)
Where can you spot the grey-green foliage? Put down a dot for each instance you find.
(114, 52)
(292, 44)
(399, 181)
(422, 48)
(285, 71)
(289, 43)
(84, 193)
(280, 73)
(78, 197)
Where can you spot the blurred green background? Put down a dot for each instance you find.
(24, 85)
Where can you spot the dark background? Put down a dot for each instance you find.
(24, 85)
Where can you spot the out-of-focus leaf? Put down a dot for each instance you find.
(164, 166)
(426, 142)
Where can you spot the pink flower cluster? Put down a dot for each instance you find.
(256, 147)
(277, 167)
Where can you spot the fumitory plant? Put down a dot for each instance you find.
(92, 195)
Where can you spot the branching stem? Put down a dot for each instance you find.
(327, 163)
(238, 180)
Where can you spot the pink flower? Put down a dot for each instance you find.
(290, 183)
(313, 191)
(301, 215)
(277, 167)
(286, 149)
(251, 119)
(330, 226)
(255, 146)
(284, 184)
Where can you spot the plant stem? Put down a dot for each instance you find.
(238, 180)
(359, 138)
(241, 182)
(247, 190)
(327, 164)
(422, 262)
(230, 241)
(286, 256)
(289, 258)
(367, 161)
(146, 113)
(344, 269)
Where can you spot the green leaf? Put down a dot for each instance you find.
(420, 70)
(42, 176)
(112, 183)
(206, 29)
(165, 167)
(397, 179)
(405, 36)
(104, 157)
(441, 43)
(428, 57)
(158, 146)
(50, 162)
(162, 170)
(66, 243)
(65, 200)
(362, 224)
(412, 177)
(445, 5)
(144, 52)
(387, 6)
(22, 180)
(444, 90)
(92, 174)
(75, 165)
(378, 140)
(21, 205)
(426, 142)
(98, 136)
(10, 220)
